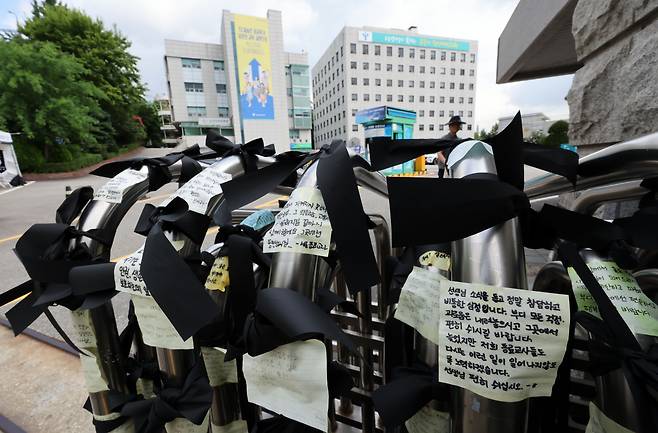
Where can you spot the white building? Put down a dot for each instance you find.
(169, 131)
(533, 122)
(247, 86)
(368, 67)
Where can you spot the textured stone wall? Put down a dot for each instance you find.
(614, 96)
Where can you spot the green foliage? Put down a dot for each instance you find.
(84, 161)
(43, 97)
(102, 52)
(30, 157)
(558, 133)
(537, 137)
(148, 112)
(482, 135)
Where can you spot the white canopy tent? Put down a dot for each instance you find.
(10, 172)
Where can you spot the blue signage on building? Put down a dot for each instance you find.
(414, 41)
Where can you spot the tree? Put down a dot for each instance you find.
(558, 133)
(537, 137)
(148, 112)
(483, 135)
(103, 53)
(43, 97)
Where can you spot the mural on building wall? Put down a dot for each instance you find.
(252, 46)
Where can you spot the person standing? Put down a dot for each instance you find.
(454, 126)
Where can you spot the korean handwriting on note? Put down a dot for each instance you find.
(199, 190)
(504, 344)
(435, 258)
(418, 306)
(157, 330)
(302, 226)
(428, 420)
(638, 311)
(127, 274)
(218, 278)
(291, 380)
(112, 191)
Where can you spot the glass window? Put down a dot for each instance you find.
(194, 87)
(389, 98)
(442, 85)
(355, 128)
(471, 86)
(470, 100)
(366, 81)
(432, 70)
(453, 57)
(389, 83)
(451, 100)
(442, 99)
(470, 113)
(400, 83)
(432, 55)
(462, 72)
(218, 65)
(400, 98)
(440, 127)
(442, 113)
(471, 72)
(452, 71)
(378, 66)
(452, 86)
(378, 81)
(400, 52)
(365, 49)
(223, 111)
(195, 111)
(411, 98)
(432, 84)
(352, 65)
(431, 127)
(451, 113)
(378, 50)
(389, 51)
(421, 127)
(432, 99)
(366, 65)
(461, 86)
(354, 112)
(366, 97)
(353, 48)
(431, 113)
(353, 81)
(191, 63)
(422, 54)
(421, 98)
(472, 58)
(461, 99)
(443, 71)
(389, 67)
(462, 57)
(421, 113)
(400, 68)
(411, 68)
(461, 112)
(422, 84)
(443, 55)
(221, 88)
(354, 96)
(412, 53)
(378, 97)
(422, 69)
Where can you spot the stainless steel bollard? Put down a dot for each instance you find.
(494, 256)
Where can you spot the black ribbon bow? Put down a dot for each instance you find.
(247, 152)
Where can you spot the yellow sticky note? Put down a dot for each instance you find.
(218, 276)
(435, 258)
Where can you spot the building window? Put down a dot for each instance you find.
(470, 100)
(451, 100)
(440, 127)
(400, 83)
(421, 127)
(400, 52)
(410, 98)
(411, 83)
(389, 51)
(194, 87)
(389, 83)
(389, 67)
(472, 58)
(431, 113)
(355, 128)
(469, 127)
(378, 82)
(400, 98)
(422, 84)
(461, 99)
(354, 96)
(352, 65)
(452, 86)
(422, 54)
(461, 86)
(411, 68)
(443, 71)
(193, 111)
(354, 112)
(353, 48)
(400, 68)
(366, 97)
(378, 97)
(366, 65)
(421, 98)
(462, 57)
(442, 85)
(218, 65)
(223, 111)
(421, 113)
(453, 57)
(432, 55)
(462, 72)
(461, 113)
(432, 84)
(378, 50)
(432, 99)
(452, 71)
(442, 99)
(471, 72)
(422, 69)
(412, 53)
(191, 63)
(221, 88)
(366, 81)
(431, 127)
(470, 86)
(470, 113)
(442, 113)
(365, 49)
(443, 55)
(378, 66)
(389, 98)
(353, 81)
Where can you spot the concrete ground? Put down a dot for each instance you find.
(41, 388)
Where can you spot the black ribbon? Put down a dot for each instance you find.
(247, 152)
(616, 345)
(73, 205)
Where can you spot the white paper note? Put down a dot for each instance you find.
(83, 331)
(419, 303)
(218, 278)
(291, 380)
(302, 226)
(127, 274)
(157, 330)
(436, 259)
(219, 372)
(112, 191)
(428, 420)
(503, 344)
(638, 311)
(239, 426)
(198, 191)
(600, 423)
(92, 373)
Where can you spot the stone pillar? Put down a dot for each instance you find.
(614, 96)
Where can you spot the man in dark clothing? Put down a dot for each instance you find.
(454, 125)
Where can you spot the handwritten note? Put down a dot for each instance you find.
(428, 420)
(218, 278)
(600, 423)
(112, 191)
(157, 330)
(436, 259)
(127, 274)
(291, 380)
(239, 426)
(83, 330)
(503, 344)
(302, 226)
(419, 303)
(638, 311)
(199, 190)
(219, 372)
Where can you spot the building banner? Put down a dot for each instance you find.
(252, 47)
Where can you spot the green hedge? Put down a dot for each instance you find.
(31, 160)
(57, 167)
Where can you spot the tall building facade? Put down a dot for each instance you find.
(368, 67)
(247, 86)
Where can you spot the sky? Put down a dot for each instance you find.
(310, 25)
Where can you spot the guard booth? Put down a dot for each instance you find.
(10, 172)
(391, 122)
